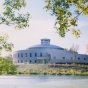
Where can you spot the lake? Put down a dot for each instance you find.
(43, 82)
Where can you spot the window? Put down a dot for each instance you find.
(25, 54)
(84, 58)
(40, 54)
(30, 61)
(35, 61)
(35, 54)
(25, 60)
(78, 58)
(63, 57)
(18, 61)
(18, 55)
(21, 54)
(30, 55)
(21, 61)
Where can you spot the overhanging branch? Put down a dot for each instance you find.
(81, 13)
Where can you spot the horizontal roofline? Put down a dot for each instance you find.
(46, 46)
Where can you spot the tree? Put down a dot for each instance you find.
(67, 13)
(7, 67)
(74, 51)
(10, 17)
(4, 45)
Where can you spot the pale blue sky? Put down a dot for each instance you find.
(41, 26)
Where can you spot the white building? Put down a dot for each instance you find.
(46, 53)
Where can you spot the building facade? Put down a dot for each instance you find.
(47, 53)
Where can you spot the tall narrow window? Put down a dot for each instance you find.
(35, 54)
(30, 61)
(21, 54)
(35, 61)
(30, 55)
(18, 61)
(21, 61)
(40, 54)
(25, 54)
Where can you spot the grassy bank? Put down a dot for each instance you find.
(55, 69)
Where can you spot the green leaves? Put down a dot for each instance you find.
(69, 14)
(76, 33)
(6, 67)
(4, 45)
(22, 21)
(73, 22)
(65, 18)
(15, 4)
(10, 15)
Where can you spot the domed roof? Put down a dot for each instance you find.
(46, 46)
(45, 43)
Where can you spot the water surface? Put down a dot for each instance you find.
(43, 82)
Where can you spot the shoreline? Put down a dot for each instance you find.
(50, 70)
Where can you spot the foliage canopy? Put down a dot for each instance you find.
(11, 16)
(67, 13)
(7, 67)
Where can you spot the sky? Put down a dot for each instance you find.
(42, 26)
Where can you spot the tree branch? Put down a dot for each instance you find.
(6, 17)
(80, 13)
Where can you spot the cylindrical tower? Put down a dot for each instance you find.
(45, 41)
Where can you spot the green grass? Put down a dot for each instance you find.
(56, 69)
